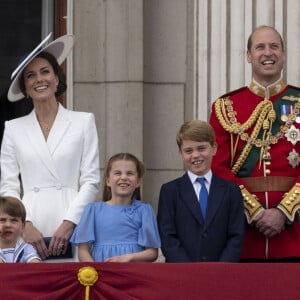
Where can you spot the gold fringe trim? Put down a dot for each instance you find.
(290, 203)
(252, 206)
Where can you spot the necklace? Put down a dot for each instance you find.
(46, 127)
(50, 116)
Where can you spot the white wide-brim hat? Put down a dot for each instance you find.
(59, 48)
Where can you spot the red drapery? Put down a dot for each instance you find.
(153, 281)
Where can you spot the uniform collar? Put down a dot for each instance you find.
(269, 91)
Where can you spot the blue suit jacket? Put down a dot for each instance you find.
(186, 237)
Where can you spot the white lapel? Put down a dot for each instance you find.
(43, 148)
(59, 129)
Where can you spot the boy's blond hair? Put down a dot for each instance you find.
(196, 130)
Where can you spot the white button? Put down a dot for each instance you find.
(36, 189)
(58, 186)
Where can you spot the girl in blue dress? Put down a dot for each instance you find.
(121, 228)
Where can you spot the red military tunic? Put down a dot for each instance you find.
(235, 122)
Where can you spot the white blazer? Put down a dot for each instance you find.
(58, 176)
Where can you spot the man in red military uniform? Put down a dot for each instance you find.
(258, 134)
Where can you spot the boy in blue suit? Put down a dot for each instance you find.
(188, 231)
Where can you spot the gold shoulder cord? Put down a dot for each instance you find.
(264, 115)
(227, 118)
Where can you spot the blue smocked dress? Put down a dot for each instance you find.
(113, 230)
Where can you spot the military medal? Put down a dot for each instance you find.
(293, 135)
(284, 111)
(297, 120)
(296, 106)
(293, 158)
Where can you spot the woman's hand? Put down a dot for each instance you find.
(60, 240)
(33, 236)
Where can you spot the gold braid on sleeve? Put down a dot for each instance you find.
(252, 206)
(290, 202)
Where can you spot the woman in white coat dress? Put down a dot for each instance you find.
(50, 157)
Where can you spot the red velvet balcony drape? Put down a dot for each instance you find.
(151, 281)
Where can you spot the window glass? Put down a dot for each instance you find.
(21, 25)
